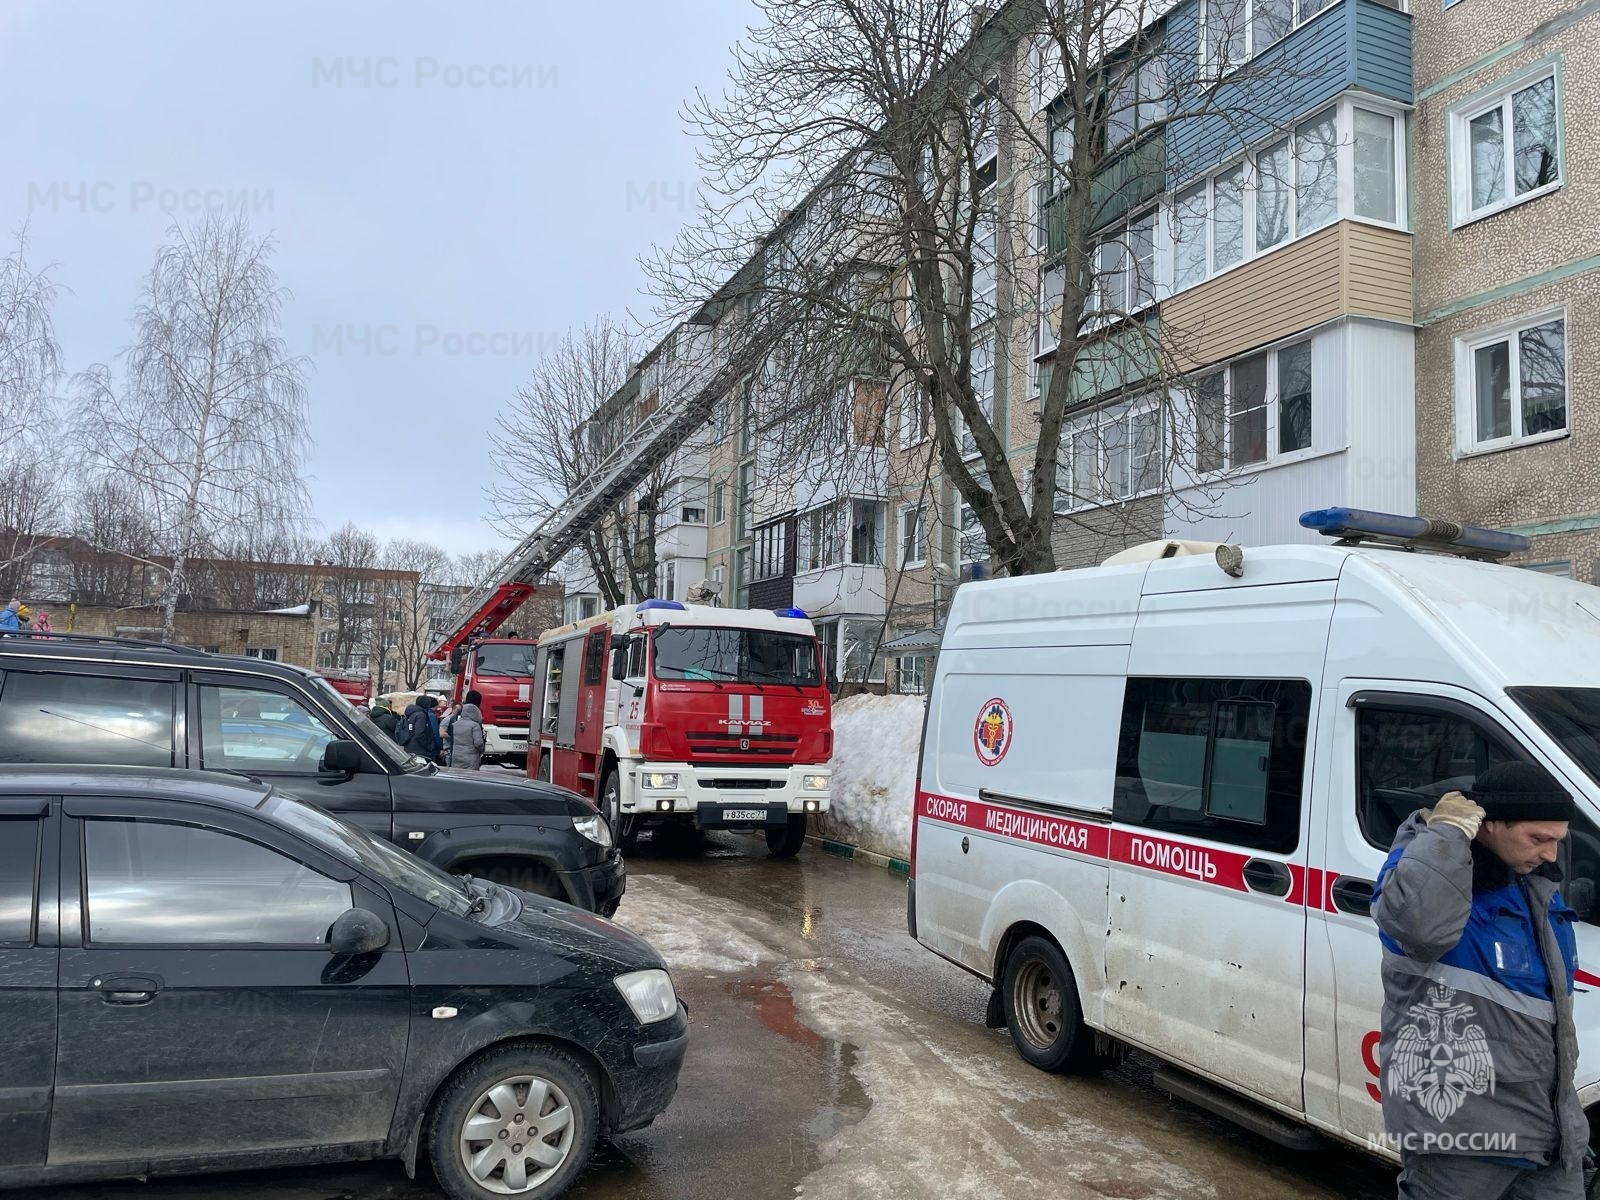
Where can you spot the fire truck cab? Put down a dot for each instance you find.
(663, 711)
(501, 671)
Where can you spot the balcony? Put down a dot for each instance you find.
(849, 588)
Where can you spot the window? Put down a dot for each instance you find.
(1233, 31)
(1052, 284)
(982, 377)
(1512, 384)
(866, 532)
(228, 891)
(985, 117)
(1406, 759)
(747, 484)
(19, 875)
(264, 653)
(1111, 455)
(913, 535)
(719, 504)
(1137, 99)
(1045, 69)
(911, 674)
(860, 661)
(327, 637)
(1038, 226)
(47, 718)
(588, 606)
(1288, 189)
(719, 576)
(1125, 269)
(1222, 759)
(736, 655)
(1254, 409)
(1507, 149)
(770, 544)
(916, 415)
(971, 542)
(741, 577)
(255, 730)
(692, 502)
(720, 416)
(594, 658)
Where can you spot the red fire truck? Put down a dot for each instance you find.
(500, 670)
(354, 686)
(663, 711)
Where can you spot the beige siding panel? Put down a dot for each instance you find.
(1378, 272)
(1346, 268)
(1272, 297)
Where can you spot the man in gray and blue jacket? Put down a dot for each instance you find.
(1478, 1046)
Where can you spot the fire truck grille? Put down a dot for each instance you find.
(779, 747)
(740, 785)
(509, 714)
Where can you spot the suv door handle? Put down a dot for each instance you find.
(1352, 895)
(128, 990)
(1269, 876)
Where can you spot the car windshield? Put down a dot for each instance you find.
(1569, 715)
(505, 658)
(738, 655)
(375, 738)
(404, 870)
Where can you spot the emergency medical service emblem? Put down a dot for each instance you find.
(1441, 1059)
(991, 736)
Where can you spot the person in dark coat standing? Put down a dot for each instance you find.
(384, 717)
(419, 732)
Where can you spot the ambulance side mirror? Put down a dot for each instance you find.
(619, 663)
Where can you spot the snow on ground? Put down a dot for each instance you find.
(875, 741)
(717, 943)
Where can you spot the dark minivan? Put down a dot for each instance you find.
(200, 973)
(112, 701)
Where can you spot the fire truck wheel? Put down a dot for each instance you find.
(785, 841)
(1041, 1007)
(544, 767)
(624, 828)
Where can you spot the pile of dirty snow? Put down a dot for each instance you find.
(875, 741)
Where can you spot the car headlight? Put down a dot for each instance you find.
(815, 783)
(659, 780)
(649, 994)
(595, 829)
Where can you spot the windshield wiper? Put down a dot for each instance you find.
(480, 901)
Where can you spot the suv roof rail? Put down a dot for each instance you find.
(100, 639)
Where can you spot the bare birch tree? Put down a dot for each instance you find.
(426, 568)
(350, 590)
(556, 433)
(210, 421)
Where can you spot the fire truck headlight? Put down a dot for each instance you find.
(815, 783)
(661, 781)
(595, 829)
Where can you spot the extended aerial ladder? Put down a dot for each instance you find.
(697, 382)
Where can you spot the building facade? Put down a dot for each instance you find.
(1508, 243)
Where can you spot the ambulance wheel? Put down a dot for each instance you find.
(1042, 1011)
(784, 841)
(624, 827)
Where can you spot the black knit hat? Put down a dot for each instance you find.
(1519, 791)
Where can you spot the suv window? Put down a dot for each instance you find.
(159, 882)
(255, 730)
(49, 718)
(1405, 760)
(19, 876)
(1222, 759)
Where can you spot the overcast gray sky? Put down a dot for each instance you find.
(451, 187)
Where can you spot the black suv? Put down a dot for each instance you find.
(200, 973)
(87, 700)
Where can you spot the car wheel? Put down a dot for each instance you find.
(521, 1121)
(1042, 1010)
(624, 827)
(785, 840)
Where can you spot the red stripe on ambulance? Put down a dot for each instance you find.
(1039, 829)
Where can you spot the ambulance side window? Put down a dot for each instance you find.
(1222, 759)
(1407, 759)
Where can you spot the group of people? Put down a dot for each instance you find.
(453, 738)
(16, 618)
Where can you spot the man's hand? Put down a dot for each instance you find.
(1455, 809)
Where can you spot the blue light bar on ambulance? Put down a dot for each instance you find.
(648, 605)
(791, 612)
(1357, 524)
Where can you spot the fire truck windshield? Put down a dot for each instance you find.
(504, 658)
(738, 655)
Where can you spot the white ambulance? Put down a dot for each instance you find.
(1153, 795)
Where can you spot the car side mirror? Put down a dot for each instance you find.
(458, 659)
(341, 755)
(619, 663)
(358, 931)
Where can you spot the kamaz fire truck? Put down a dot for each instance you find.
(663, 711)
(500, 670)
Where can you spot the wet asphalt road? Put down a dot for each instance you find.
(833, 1057)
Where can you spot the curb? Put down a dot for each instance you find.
(845, 850)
